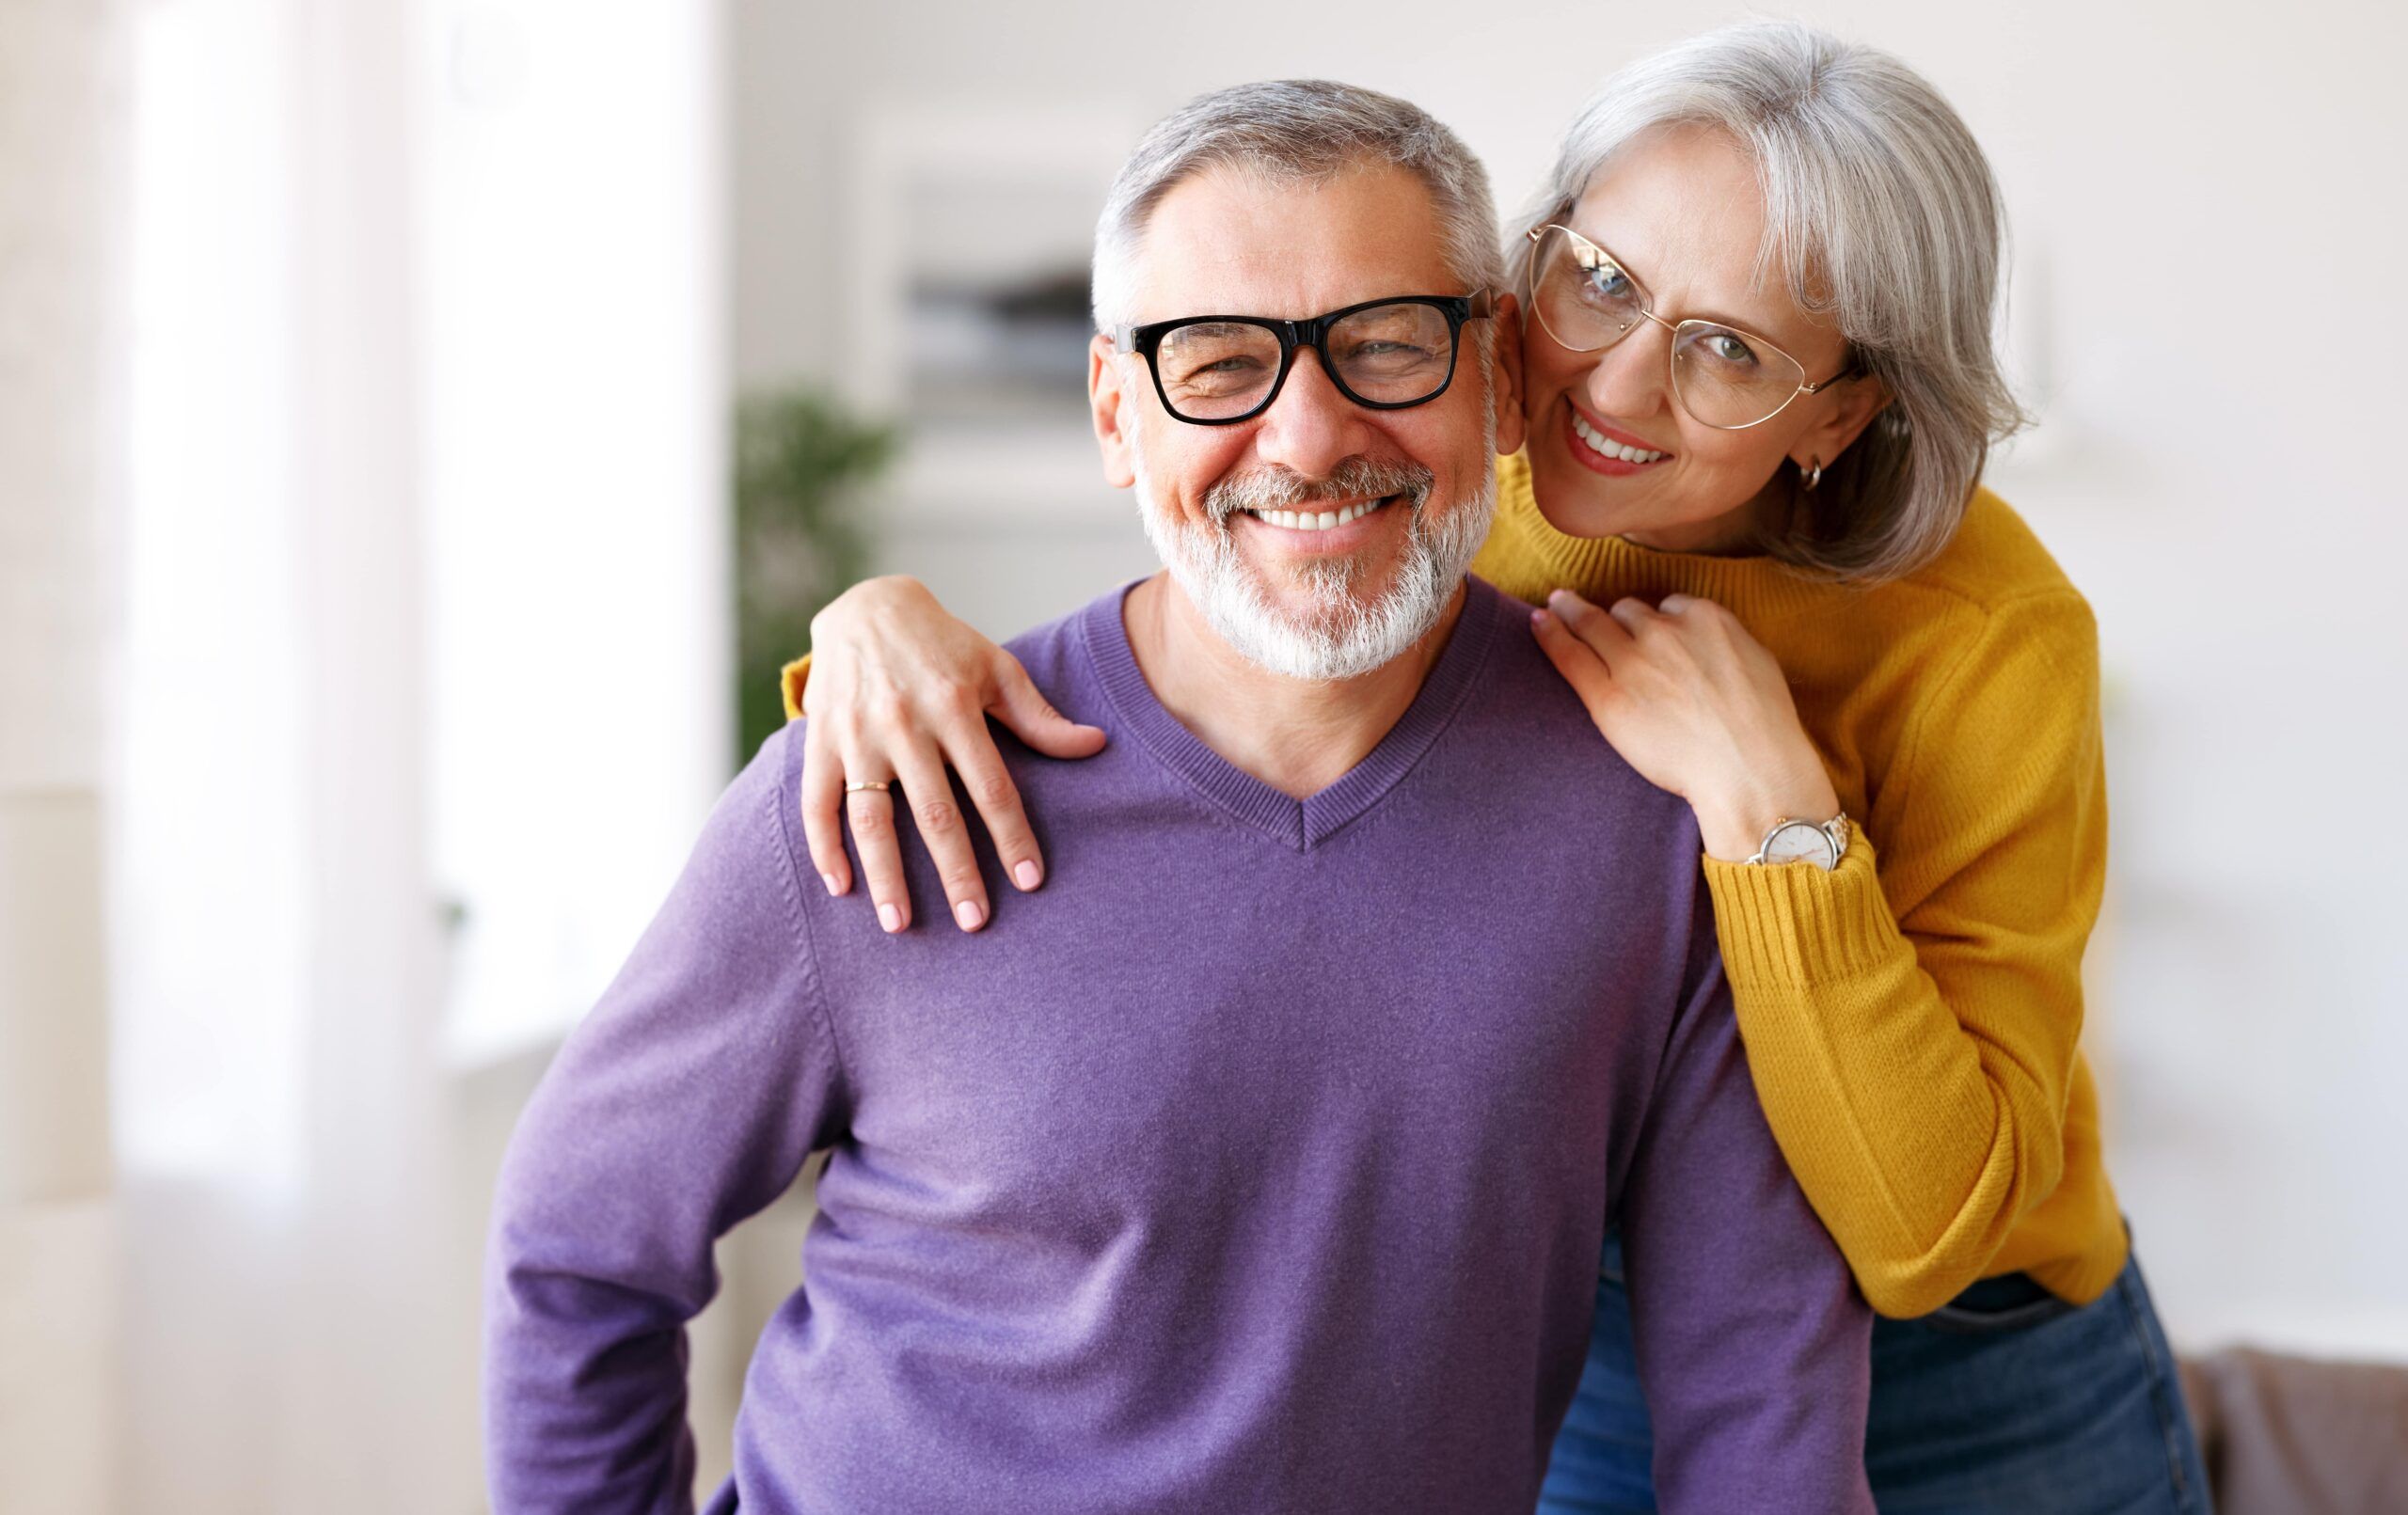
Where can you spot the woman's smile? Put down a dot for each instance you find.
(1608, 449)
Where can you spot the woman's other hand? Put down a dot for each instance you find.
(1697, 706)
(898, 689)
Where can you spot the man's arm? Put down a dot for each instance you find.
(688, 1100)
(1752, 1344)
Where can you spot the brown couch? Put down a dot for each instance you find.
(2297, 1436)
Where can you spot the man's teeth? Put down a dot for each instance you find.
(1318, 520)
(1599, 442)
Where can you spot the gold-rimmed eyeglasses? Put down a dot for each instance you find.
(1727, 378)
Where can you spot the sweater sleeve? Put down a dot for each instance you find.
(1752, 1345)
(1912, 1030)
(689, 1100)
(791, 679)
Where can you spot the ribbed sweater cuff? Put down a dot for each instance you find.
(791, 679)
(1791, 926)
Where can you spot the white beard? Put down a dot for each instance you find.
(1340, 636)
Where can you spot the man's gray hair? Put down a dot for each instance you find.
(1886, 220)
(1308, 131)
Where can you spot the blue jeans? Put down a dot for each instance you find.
(2007, 1399)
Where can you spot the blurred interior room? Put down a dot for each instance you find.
(425, 426)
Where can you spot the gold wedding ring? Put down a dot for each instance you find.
(854, 786)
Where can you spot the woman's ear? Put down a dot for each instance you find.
(1109, 409)
(1853, 406)
(1506, 374)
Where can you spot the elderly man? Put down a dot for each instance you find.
(1260, 1164)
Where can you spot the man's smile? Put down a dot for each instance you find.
(1324, 524)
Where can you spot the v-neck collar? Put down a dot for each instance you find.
(1302, 823)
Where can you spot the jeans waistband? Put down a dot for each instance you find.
(2007, 1291)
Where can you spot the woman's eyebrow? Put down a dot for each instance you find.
(1753, 328)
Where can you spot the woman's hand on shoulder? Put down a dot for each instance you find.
(1697, 706)
(898, 690)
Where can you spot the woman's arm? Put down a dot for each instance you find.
(1912, 1030)
(896, 689)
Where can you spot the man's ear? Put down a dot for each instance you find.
(1853, 406)
(1113, 412)
(1506, 374)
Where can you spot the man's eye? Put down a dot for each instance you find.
(1235, 363)
(1211, 375)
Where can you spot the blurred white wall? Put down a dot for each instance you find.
(62, 161)
(2210, 323)
(569, 248)
(423, 478)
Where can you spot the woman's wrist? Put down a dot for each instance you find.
(1732, 823)
(868, 602)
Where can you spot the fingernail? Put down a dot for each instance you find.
(1026, 874)
(891, 918)
(969, 916)
(829, 879)
(1538, 618)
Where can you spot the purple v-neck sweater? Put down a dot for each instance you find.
(1257, 1164)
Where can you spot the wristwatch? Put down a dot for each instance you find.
(1791, 840)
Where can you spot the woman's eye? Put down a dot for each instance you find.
(1610, 283)
(1724, 348)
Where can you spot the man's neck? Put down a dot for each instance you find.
(1297, 736)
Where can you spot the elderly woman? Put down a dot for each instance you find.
(1759, 386)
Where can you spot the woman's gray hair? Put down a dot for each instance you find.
(1306, 129)
(1887, 221)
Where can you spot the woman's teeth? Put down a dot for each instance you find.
(1599, 442)
(1317, 520)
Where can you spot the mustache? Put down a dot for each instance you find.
(1277, 488)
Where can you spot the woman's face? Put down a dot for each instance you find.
(1681, 210)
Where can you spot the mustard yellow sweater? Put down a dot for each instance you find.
(1912, 1019)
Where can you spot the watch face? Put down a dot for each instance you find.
(1800, 842)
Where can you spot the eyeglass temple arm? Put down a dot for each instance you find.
(1857, 368)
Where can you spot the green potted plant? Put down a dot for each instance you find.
(802, 460)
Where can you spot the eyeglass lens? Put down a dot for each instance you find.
(1724, 376)
(1389, 355)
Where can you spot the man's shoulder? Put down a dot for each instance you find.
(1525, 721)
(1520, 684)
(1516, 653)
(1057, 653)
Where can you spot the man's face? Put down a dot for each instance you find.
(1311, 602)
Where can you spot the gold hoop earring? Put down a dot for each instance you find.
(1812, 474)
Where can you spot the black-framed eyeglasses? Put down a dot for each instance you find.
(1383, 355)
